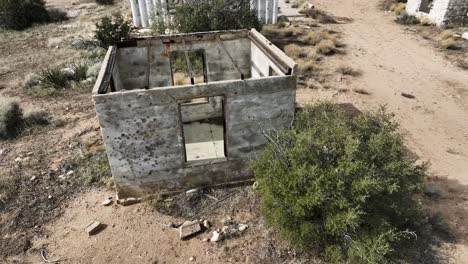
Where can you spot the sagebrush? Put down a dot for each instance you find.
(110, 30)
(345, 187)
(211, 15)
(20, 14)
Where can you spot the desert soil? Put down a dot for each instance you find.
(393, 60)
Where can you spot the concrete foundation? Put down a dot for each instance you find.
(160, 137)
(441, 12)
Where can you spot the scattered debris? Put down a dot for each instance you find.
(216, 237)
(193, 258)
(465, 35)
(255, 185)
(407, 95)
(243, 227)
(45, 258)
(33, 178)
(107, 202)
(50, 196)
(361, 91)
(70, 173)
(129, 201)
(206, 224)
(93, 228)
(192, 192)
(189, 228)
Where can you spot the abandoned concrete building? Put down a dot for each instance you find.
(440, 12)
(191, 110)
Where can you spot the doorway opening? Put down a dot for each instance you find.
(203, 128)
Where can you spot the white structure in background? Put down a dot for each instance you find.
(144, 10)
(441, 12)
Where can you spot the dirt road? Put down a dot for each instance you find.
(394, 60)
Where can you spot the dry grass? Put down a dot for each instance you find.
(326, 47)
(446, 34)
(181, 79)
(295, 51)
(426, 21)
(314, 37)
(449, 43)
(463, 63)
(398, 8)
(348, 70)
(307, 67)
(320, 15)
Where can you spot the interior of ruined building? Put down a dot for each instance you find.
(191, 102)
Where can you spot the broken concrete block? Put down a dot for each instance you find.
(93, 228)
(242, 227)
(216, 237)
(206, 224)
(107, 202)
(465, 35)
(129, 201)
(189, 228)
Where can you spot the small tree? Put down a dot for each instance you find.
(111, 30)
(212, 15)
(20, 14)
(345, 187)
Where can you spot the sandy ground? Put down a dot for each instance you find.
(392, 59)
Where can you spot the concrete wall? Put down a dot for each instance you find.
(143, 135)
(443, 12)
(134, 63)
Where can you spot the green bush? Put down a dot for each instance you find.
(111, 30)
(11, 117)
(212, 15)
(20, 14)
(344, 187)
(406, 19)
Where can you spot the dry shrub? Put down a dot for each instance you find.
(348, 70)
(398, 8)
(181, 79)
(295, 51)
(446, 34)
(319, 15)
(463, 63)
(307, 67)
(449, 43)
(426, 21)
(326, 47)
(314, 37)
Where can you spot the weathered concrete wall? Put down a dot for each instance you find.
(143, 135)
(457, 13)
(133, 63)
(200, 111)
(443, 12)
(261, 64)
